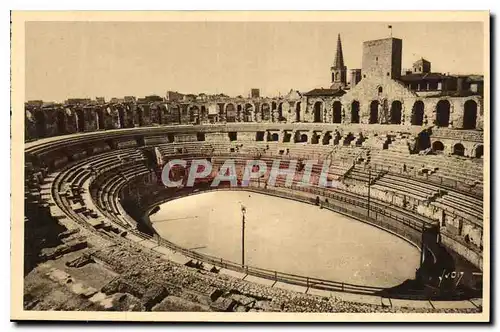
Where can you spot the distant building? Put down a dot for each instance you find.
(421, 66)
(173, 96)
(255, 93)
(202, 97)
(37, 103)
(129, 99)
(189, 97)
(78, 101)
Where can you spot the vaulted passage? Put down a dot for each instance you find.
(266, 112)
(130, 118)
(327, 138)
(80, 121)
(396, 108)
(100, 119)
(417, 114)
(249, 110)
(140, 118)
(203, 114)
(374, 112)
(355, 112)
(159, 114)
(458, 149)
(437, 146)
(478, 152)
(318, 112)
(337, 112)
(194, 114)
(443, 113)
(40, 122)
(175, 114)
(470, 114)
(61, 122)
(121, 118)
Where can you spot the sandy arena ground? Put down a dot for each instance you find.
(287, 236)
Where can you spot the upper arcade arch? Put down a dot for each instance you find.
(318, 111)
(470, 114)
(443, 113)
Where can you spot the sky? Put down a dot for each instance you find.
(114, 59)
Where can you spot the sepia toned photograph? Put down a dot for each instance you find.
(250, 166)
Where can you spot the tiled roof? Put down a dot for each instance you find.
(422, 76)
(325, 92)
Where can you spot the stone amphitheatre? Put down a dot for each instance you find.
(405, 152)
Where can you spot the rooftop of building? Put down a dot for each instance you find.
(413, 77)
(325, 92)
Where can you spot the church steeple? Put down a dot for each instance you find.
(339, 70)
(339, 57)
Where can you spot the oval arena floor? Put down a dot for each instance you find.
(293, 237)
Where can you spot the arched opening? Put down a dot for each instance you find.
(130, 117)
(443, 113)
(318, 112)
(159, 114)
(478, 152)
(337, 112)
(315, 138)
(40, 124)
(424, 141)
(396, 112)
(380, 90)
(458, 149)
(373, 112)
(297, 112)
(203, 113)
(61, 123)
(194, 114)
(355, 112)
(140, 118)
(336, 138)
(176, 114)
(121, 117)
(280, 112)
(417, 113)
(348, 139)
(327, 138)
(437, 146)
(248, 113)
(266, 112)
(470, 114)
(230, 113)
(303, 138)
(100, 119)
(80, 121)
(238, 112)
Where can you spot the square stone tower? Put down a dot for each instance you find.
(382, 58)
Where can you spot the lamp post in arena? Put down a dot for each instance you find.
(243, 211)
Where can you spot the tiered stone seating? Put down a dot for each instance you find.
(465, 175)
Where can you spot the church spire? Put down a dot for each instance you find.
(339, 70)
(339, 57)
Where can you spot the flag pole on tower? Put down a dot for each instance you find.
(390, 28)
